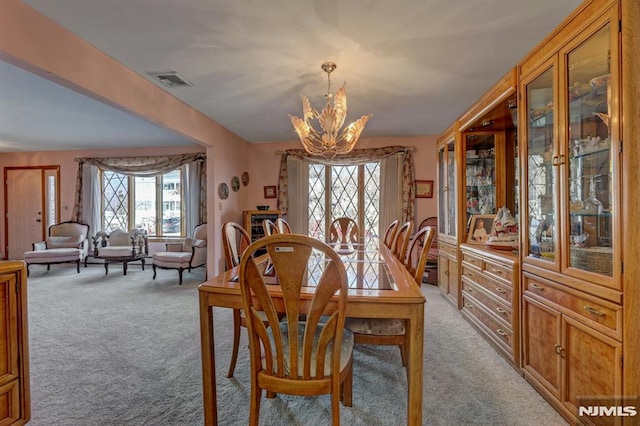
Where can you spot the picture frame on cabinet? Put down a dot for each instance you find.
(270, 191)
(480, 228)
(424, 188)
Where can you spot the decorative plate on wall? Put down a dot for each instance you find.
(245, 179)
(223, 191)
(235, 183)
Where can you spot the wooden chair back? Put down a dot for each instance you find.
(344, 231)
(390, 233)
(401, 241)
(235, 240)
(269, 228)
(432, 257)
(418, 252)
(293, 356)
(283, 226)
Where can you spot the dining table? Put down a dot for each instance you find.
(379, 287)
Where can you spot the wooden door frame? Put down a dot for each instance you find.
(42, 184)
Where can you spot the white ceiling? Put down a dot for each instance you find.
(415, 64)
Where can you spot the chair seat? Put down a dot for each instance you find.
(173, 259)
(53, 255)
(114, 251)
(376, 326)
(345, 354)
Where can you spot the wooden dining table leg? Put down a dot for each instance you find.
(208, 362)
(415, 357)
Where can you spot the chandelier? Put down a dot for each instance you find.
(331, 141)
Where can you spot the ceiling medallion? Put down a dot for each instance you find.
(331, 141)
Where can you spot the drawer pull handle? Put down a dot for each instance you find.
(496, 271)
(500, 290)
(469, 274)
(537, 287)
(501, 311)
(446, 272)
(501, 332)
(468, 305)
(472, 261)
(470, 290)
(594, 311)
(558, 348)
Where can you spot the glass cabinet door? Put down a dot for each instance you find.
(447, 189)
(541, 172)
(590, 160)
(451, 189)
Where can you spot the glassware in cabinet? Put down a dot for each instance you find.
(590, 160)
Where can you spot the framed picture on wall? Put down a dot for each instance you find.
(270, 191)
(424, 189)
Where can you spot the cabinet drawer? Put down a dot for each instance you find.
(472, 260)
(584, 306)
(495, 287)
(501, 310)
(447, 249)
(470, 273)
(499, 271)
(501, 334)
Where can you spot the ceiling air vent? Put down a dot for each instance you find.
(171, 79)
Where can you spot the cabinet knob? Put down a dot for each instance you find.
(501, 311)
(468, 305)
(496, 271)
(500, 290)
(501, 332)
(537, 287)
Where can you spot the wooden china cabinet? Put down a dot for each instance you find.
(15, 402)
(447, 215)
(571, 148)
(490, 296)
(564, 308)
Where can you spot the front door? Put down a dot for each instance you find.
(31, 206)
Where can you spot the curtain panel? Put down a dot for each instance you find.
(147, 166)
(355, 157)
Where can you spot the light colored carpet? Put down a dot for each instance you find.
(115, 350)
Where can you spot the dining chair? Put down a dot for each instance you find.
(343, 232)
(306, 358)
(401, 240)
(283, 226)
(392, 331)
(390, 233)
(235, 240)
(432, 258)
(269, 227)
(418, 252)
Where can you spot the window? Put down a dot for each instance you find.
(154, 203)
(354, 192)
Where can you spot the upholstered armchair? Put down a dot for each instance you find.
(188, 254)
(121, 246)
(67, 242)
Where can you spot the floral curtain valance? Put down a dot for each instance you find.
(355, 157)
(143, 166)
